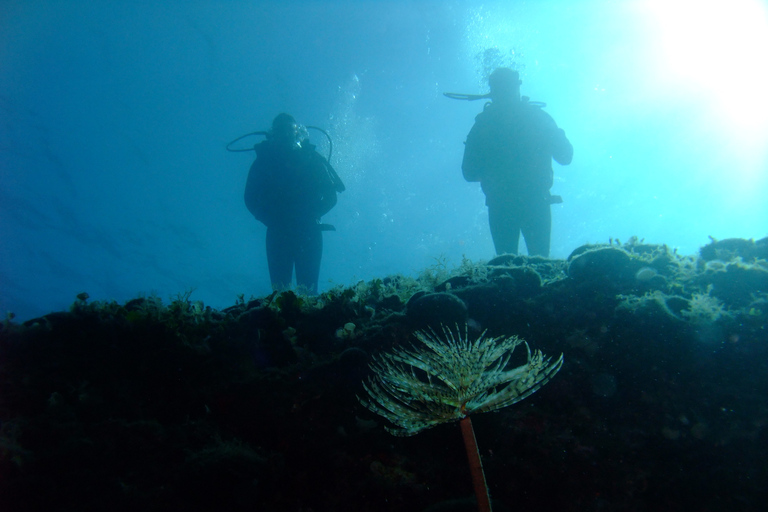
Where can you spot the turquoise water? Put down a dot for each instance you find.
(114, 179)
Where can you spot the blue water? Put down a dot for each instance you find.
(114, 117)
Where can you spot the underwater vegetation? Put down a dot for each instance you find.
(172, 405)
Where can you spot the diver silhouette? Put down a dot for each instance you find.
(509, 150)
(290, 187)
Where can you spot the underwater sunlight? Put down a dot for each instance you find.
(715, 52)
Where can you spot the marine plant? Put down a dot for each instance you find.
(705, 309)
(449, 379)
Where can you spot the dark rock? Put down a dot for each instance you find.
(521, 281)
(731, 248)
(434, 309)
(603, 265)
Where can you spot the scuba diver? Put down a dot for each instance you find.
(509, 150)
(290, 187)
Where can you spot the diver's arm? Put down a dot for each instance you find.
(328, 184)
(252, 187)
(327, 194)
(327, 202)
(259, 194)
(558, 143)
(562, 150)
(471, 165)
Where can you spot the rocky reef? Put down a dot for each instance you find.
(659, 405)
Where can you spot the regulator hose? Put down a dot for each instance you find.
(473, 97)
(266, 134)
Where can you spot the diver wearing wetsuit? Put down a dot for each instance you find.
(509, 150)
(289, 187)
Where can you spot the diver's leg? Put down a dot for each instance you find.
(308, 256)
(505, 228)
(279, 257)
(536, 226)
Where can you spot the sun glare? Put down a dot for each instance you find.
(713, 53)
(717, 50)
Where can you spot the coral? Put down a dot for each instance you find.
(653, 304)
